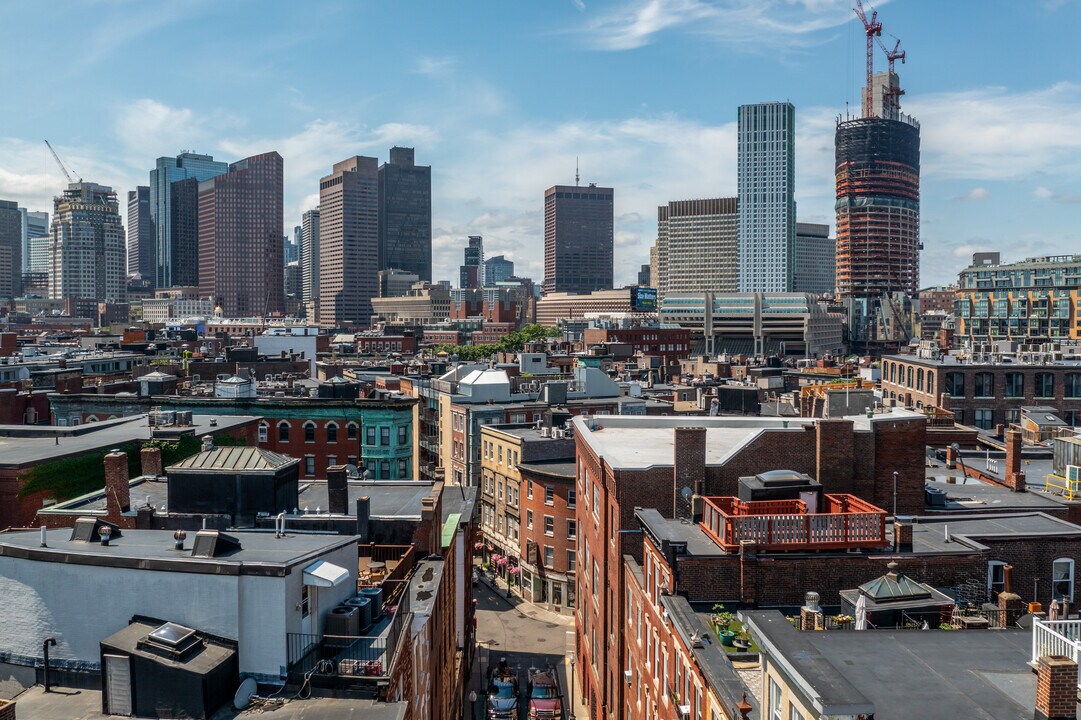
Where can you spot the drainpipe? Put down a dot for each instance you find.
(45, 646)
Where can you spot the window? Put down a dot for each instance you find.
(571, 560)
(500, 452)
(996, 578)
(572, 529)
(264, 429)
(332, 460)
(1045, 385)
(549, 495)
(774, 710)
(384, 469)
(984, 418)
(529, 489)
(371, 469)
(332, 433)
(384, 436)
(549, 556)
(1015, 384)
(309, 464)
(499, 492)
(352, 460)
(1072, 386)
(794, 714)
(529, 519)
(309, 432)
(369, 436)
(351, 431)
(984, 385)
(1062, 580)
(955, 384)
(403, 435)
(596, 502)
(549, 525)
(283, 432)
(403, 469)
(572, 496)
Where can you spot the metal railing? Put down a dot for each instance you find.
(1056, 637)
(845, 522)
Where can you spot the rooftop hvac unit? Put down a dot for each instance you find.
(1073, 472)
(544, 432)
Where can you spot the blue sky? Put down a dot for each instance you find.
(500, 97)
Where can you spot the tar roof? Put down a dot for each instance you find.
(260, 552)
(967, 674)
(388, 499)
(929, 535)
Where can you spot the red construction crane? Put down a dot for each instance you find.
(891, 100)
(873, 29)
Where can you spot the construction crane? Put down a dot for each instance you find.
(872, 28)
(891, 98)
(60, 163)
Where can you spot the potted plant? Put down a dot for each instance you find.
(843, 620)
(742, 640)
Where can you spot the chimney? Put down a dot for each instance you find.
(1056, 688)
(944, 401)
(902, 533)
(1015, 478)
(337, 490)
(150, 460)
(811, 616)
(364, 513)
(688, 469)
(208, 444)
(117, 487)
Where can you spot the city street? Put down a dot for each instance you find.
(527, 636)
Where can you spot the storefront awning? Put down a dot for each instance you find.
(325, 574)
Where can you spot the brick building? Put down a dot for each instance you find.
(669, 342)
(985, 391)
(654, 462)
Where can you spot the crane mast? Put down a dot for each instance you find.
(872, 28)
(60, 163)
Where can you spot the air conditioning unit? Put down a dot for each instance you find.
(627, 676)
(1073, 472)
(684, 712)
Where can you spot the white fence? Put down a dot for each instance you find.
(1056, 637)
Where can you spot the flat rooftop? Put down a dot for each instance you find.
(260, 552)
(389, 499)
(24, 446)
(966, 531)
(976, 674)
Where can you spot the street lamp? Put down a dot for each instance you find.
(571, 709)
(473, 705)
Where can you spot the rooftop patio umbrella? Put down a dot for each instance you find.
(1053, 610)
(861, 612)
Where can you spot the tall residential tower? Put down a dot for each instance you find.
(87, 256)
(766, 188)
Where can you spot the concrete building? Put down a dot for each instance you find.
(556, 306)
(644, 275)
(697, 246)
(34, 225)
(767, 206)
(40, 251)
(578, 239)
(396, 283)
(162, 310)
(11, 249)
(348, 242)
(471, 271)
(292, 280)
(496, 270)
(88, 258)
(815, 259)
(177, 258)
(309, 263)
(405, 214)
(423, 304)
(240, 231)
(757, 323)
(140, 234)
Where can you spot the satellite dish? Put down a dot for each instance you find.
(351, 471)
(686, 493)
(244, 694)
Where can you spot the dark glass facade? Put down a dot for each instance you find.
(578, 238)
(405, 214)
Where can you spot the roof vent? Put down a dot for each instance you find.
(88, 529)
(214, 543)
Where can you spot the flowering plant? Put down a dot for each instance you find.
(512, 570)
(478, 546)
(501, 562)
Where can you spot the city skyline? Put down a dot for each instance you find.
(997, 142)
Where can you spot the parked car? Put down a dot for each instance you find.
(502, 692)
(545, 697)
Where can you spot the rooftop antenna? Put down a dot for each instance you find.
(577, 177)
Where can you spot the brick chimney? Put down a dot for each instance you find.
(834, 453)
(689, 469)
(1056, 688)
(117, 489)
(1015, 478)
(337, 490)
(150, 460)
(902, 534)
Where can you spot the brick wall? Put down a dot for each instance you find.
(1056, 688)
(7, 710)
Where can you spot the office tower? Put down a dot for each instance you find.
(240, 230)
(697, 246)
(471, 273)
(88, 257)
(815, 259)
(11, 249)
(309, 260)
(643, 276)
(766, 185)
(405, 214)
(170, 252)
(34, 225)
(40, 249)
(291, 245)
(184, 232)
(396, 283)
(578, 238)
(349, 243)
(292, 279)
(496, 270)
(140, 233)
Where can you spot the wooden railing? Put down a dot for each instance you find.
(937, 417)
(844, 522)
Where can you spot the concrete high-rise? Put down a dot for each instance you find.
(816, 257)
(175, 258)
(309, 262)
(766, 189)
(34, 225)
(349, 243)
(405, 214)
(644, 276)
(140, 233)
(497, 269)
(88, 257)
(579, 238)
(11, 249)
(697, 246)
(291, 245)
(240, 231)
(471, 272)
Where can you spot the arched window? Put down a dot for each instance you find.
(1062, 579)
(92, 418)
(919, 380)
(309, 432)
(1072, 388)
(332, 432)
(283, 432)
(909, 383)
(264, 430)
(931, 381)
(351, 431)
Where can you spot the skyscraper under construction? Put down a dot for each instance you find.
(878, 207)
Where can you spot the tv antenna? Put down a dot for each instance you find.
(577, 177)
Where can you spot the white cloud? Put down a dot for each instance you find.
(1043, 193)
(427, 65)
(976, 193)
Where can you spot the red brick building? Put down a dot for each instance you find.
(671, 343)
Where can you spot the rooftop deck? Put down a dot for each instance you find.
(843, 521)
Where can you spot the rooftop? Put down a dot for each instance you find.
(234, 459)
(879, 672)
(964, 532)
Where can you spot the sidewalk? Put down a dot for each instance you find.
(579, 709)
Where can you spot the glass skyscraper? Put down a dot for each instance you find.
(405, 214)
(176, 258)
